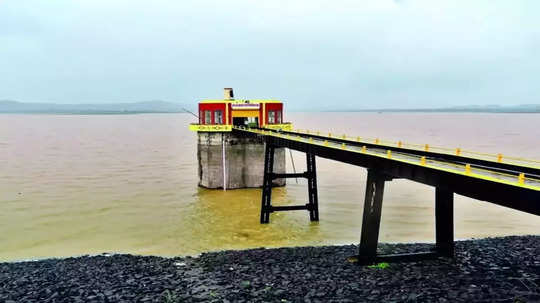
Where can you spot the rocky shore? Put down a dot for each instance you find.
(487, 270)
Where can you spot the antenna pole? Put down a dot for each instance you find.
(187, 111)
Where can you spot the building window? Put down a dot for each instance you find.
(271, 117)
(207, 117)
(201, 117)
(218, 117)
(278, 117)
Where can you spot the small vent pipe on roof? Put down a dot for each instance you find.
(228, 93)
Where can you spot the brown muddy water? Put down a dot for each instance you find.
(76, 184)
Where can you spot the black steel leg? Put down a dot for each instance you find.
(313, 205)
(267, 183)
(444, 222)
(372, 215)
(444, 216)
(266, 204)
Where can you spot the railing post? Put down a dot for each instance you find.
(371, 220)
(444, 222)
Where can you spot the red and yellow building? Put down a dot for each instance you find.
(222, 115)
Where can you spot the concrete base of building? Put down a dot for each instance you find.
(242, 158)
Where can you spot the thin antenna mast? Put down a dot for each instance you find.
(190, 113)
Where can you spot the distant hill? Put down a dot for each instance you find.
(155, 106)
(158, 106)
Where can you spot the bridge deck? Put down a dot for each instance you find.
(514, 184)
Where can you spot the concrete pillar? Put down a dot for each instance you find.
(244, 161)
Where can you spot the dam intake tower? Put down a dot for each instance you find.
(229, 161)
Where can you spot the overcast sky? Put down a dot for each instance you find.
(313, 54)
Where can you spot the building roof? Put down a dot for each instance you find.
(240, 101)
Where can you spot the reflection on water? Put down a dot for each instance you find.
(72, 185)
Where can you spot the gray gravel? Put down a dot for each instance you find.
(488, 270)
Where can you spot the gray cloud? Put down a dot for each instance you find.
(364, 54)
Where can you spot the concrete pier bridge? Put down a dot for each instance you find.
(506, 181)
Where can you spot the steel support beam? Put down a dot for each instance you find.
(296, 175)
(266, 203)
(312, 187)
(444, 222)
(267, 183)
(290, 207)
(371, 219)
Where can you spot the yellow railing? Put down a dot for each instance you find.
(500, 158)
(210, 128)
(464, 169)
(282, 126)
(227, 128)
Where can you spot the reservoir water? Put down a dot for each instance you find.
(87, 184)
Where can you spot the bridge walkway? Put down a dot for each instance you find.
(508, 181)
